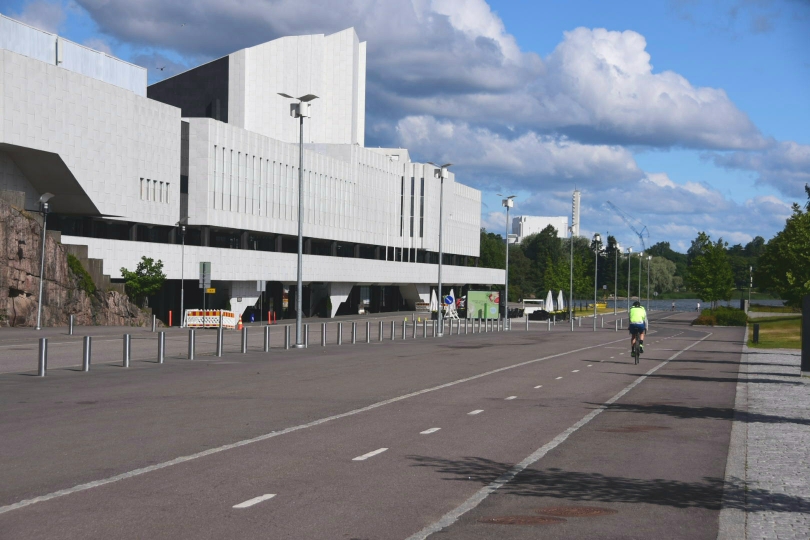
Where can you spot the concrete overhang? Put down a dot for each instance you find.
(48, 173)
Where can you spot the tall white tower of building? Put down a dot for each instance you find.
(575, 214)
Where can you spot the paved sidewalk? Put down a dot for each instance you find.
(767, 492)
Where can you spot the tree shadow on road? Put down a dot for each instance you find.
(714, 379)
(712, 413)
(594, 487)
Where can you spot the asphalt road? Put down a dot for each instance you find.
(396, 439)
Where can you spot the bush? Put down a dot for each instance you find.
(85, 281)
(726, 316)
(705, 320)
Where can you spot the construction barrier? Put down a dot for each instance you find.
(197, 318)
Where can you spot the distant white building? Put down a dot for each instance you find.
(523, 226)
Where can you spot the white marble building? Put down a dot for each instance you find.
(523, 226)
(216, 144)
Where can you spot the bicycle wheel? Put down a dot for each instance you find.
(636, 351)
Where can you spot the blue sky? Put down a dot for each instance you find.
(690, 115)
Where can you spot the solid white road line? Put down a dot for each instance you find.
(479, 496)
(589, 365)
(254, 500)
(476, 411)
(370, 454)
(558, 378)
(429, 431)
(272, 434)
(510, 397)
(575, 371)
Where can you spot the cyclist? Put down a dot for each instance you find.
(638, 323)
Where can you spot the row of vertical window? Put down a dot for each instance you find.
(154, 190)
(403, 208)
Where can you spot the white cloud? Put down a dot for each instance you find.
(42, 14)
(784, 165)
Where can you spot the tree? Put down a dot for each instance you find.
(493, 250)
(710, 272)
(146, 280)
(784, 266)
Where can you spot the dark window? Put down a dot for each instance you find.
(402, 207)
(422, 210)
(413, 202)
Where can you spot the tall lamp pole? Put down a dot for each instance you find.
(640, 262)
(300, 110)
(629, 264)
(596, 240)
(571, 277)
(441, 173)
(182, 224)
(649, 260)
(508, 202)
(617, 249)
(44, 207)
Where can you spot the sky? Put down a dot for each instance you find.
(688, 115)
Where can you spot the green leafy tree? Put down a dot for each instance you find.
(710, 274)
(493, 250)
(784, 266)
(146, 280)
(662, 274)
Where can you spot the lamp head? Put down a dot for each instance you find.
(629, 250)
(597, 238)
(46, 197)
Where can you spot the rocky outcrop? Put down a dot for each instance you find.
(64, 292)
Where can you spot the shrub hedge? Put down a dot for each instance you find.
(727, 316)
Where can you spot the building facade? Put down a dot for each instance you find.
(217, 145)
(523, 226)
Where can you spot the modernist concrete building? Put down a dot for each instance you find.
(523, 226)
(216, 144)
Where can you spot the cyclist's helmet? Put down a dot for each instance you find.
(636, 304)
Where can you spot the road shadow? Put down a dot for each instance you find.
(594, 487)
(711, 413)
(695, 378)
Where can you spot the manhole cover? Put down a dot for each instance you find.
(633, 429)
(521, 520)
(575, 511)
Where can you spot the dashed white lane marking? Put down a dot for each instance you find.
(453, 516)
(476, 411)
(612, 357)
(589, 365)
(238, 444)
(255, 500)
(575, 371)
(370, 454)
(429, 431)
(558, 378)
(538, 386)
(510, 397)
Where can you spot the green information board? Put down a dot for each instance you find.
(483, 304)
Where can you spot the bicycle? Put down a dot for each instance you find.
(636, 346)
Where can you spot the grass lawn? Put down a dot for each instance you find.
(773, 309)
(777, 333)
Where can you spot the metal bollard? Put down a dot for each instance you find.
(381, 331)
(579, 319)
(161, 347)
(70, 327)
(219, 341)
(756, 333)
(244, 339)
(306, 336)
(340, 334)
(616, 325)
(603, 321)
(368, 331)
(266, 339)
(192, 343)
(354, 333)
(414, 328)
(527, 322)
(154, 322)
(42, 367)
(127, 350)
(393, 330)
(86, 353)
(466, 325)
(621, 324)
(404, 328)
(287, 337)
(549, 325)
(323, 334)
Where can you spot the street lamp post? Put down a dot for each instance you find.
(44, 207)
(182, 223)
(640, 262)
(596, 240)
(571, 277)
(649, 261)
(441, 173)
(629, 263)
(617, 249)
(300, 110)
(508, 202)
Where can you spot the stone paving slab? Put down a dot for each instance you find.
(769, 458)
